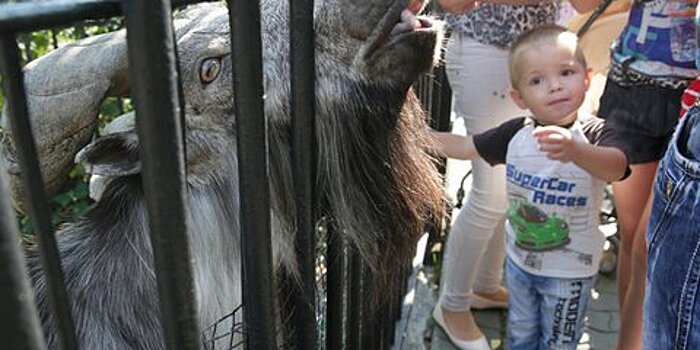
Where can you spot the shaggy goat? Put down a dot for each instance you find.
(380, 184)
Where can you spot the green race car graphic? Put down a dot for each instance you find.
(535, 230)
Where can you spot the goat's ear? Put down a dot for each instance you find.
(111, 155)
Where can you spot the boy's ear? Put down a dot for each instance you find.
(589, 76)
(518, 99)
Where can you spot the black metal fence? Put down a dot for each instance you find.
(149, 24)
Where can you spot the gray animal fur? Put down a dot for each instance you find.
(372, 168)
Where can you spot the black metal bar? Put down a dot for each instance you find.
(36, 15)
(418, 89)
(404, 280)
(370, 332)
(334, 291)
(29, 16)
(441, 108)
(19, 324)
(392, 307)
(155, 93)
(441, 99)
(251, 128)
(302, 66)
(26, 41)
(426, 91)
(354, 304)
(33, 187)
(388, 323)
(398, 306)
(54, 39)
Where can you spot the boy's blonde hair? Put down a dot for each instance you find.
(538, 35)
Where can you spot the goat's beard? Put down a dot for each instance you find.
(375, 177)
(380, 184)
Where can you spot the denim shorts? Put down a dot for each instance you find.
(643, 115)
(672, 299)
(545, 312)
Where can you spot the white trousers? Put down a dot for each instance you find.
(478, 75)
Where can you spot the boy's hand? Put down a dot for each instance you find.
(556, 141)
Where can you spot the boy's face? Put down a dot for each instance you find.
(551, 82)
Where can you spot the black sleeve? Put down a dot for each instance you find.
(492, 144)
(600, 133)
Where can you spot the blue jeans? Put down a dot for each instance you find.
(545, 312)
(672, 299)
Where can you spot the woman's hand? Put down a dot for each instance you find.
(583, 6)
(687, 10)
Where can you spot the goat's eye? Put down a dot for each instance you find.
(210, 69)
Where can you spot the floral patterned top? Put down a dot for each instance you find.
(499, 25)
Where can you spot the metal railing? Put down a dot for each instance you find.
(34, 189)
(349, 322)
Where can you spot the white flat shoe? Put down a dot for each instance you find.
(480, 303)
(476, 344)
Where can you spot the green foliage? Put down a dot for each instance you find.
(73, 200)
(69, 204)
(2, 99)
(111, 108)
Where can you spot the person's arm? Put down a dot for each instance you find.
(687, 11)
(512, 2)
(580, 6)
(457, 6)
(583, 6)
(455, 146)
(605, 163)
(461, 6)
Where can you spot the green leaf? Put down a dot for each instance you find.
(79, 209)
(26, 225)
(82, 190)
(63, 199)
(78, 172)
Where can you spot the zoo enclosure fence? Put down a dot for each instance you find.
(152, 57)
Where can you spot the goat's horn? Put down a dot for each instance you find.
(64, 91)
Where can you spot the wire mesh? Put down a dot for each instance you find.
(226, 333)
(322, 227)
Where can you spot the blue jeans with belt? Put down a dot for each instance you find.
(672, 298)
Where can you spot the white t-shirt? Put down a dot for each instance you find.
(553, 206)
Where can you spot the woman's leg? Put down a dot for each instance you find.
(644, 117)
(631, 197)
(633, 307)
(479, 79)
(488, 279)
(466, 256)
